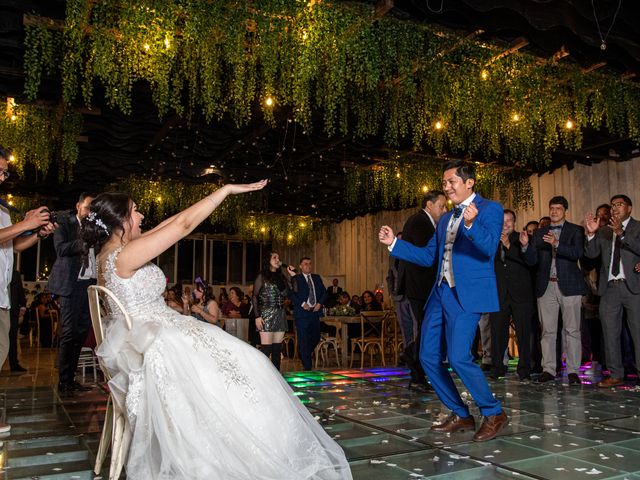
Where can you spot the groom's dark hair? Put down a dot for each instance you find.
(464, 170)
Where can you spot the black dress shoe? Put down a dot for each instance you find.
(574, 379)
(485, 367)
(525, 378)
(545, 378)
(18, 369)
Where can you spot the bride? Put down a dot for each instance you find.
(200, 403)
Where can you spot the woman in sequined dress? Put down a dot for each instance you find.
(269, 292)
(199, 403)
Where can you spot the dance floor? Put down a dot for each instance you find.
(556, 431)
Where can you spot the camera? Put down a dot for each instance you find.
(53, 215)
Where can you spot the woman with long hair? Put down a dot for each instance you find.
(201, 306)
(234, 307)
(269, 292)
(200, 403)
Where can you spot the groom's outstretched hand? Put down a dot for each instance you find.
(385, 235)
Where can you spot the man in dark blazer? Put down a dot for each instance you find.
(308, 296)
(555, 250)
(464, 247)
(618, 244)
(333, 294)
(69, 280)
(515, 293)
(414, 281)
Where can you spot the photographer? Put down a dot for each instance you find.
(69, 279)
(14, 238)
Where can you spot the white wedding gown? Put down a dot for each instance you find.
(202, 404)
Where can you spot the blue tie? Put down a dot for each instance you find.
(457, 211)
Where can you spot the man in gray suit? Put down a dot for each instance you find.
(618, 284)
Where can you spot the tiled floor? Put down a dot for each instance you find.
(556, 431)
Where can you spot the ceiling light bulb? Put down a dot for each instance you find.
(438, 125)
(290, 237)
(425, 189)
(159, 199)
(13, 118)
(12, 158)
(262, 230)
(167, 42)
(304, 35)
(269, 101)
(484, 74)
(398, 175)
(516, 117)
(569, 124)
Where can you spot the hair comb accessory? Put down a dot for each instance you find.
(93, 218)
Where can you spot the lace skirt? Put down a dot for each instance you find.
(203, 404)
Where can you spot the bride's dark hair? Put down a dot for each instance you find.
(108, 213)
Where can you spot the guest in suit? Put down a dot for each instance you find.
(515, 293)
(414, 281)
(618, 244)
(69, 279)
(333, 292)
(308, 297)
(464, 246)
(555, 250)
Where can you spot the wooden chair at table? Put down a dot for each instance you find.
(34, 327)
(55, 326)
(291, 338)
(372, 334)
(393, 342)
(326, 341)
(114, 430)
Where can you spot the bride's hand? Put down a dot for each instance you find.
(235, 189)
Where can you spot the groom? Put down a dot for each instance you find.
(464, 246)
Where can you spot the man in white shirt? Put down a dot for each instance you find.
(14, 238)
(618, 285)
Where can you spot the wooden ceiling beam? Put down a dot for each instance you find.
(516, 45)
(559, 55)
(593, 67)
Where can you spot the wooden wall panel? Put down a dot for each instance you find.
(351, 247)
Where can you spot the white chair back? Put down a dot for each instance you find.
(98, 310)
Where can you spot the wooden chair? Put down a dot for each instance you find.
(115, 429)
(393, 341)
(55, 326)
(290, 339)
(326, 341)
(34, 328)
(372, 334)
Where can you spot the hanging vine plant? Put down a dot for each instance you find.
(401, 182)
(160, 198)
(362, 74)
(42, 135)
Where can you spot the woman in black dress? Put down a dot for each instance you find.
(269, 293)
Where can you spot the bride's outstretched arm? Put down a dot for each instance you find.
(145, 248)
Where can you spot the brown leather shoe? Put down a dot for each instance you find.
(610, 382)
(454, 423)
(491, 426)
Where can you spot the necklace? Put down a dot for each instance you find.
(603, 40)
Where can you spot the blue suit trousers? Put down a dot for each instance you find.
(448, 332)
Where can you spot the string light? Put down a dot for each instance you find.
(303, 224)
(159, 198)
(304, 35)
(515, 117)
(398, 175)
(167, 42)
(438, 125)
(484, 74)
(12, 158)
(268, 101)
(146, 47)
(263, 229)
(289, 237)
(425, 189)
(569, 124)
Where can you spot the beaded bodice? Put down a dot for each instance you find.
(141, 294)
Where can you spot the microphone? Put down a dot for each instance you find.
(286, 267)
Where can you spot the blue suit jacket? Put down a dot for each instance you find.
(474, 251)
(300, 294)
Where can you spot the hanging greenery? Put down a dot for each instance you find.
(361, 74)
(284, 229)
(40, 135)
(401, 182)
(158, 199)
